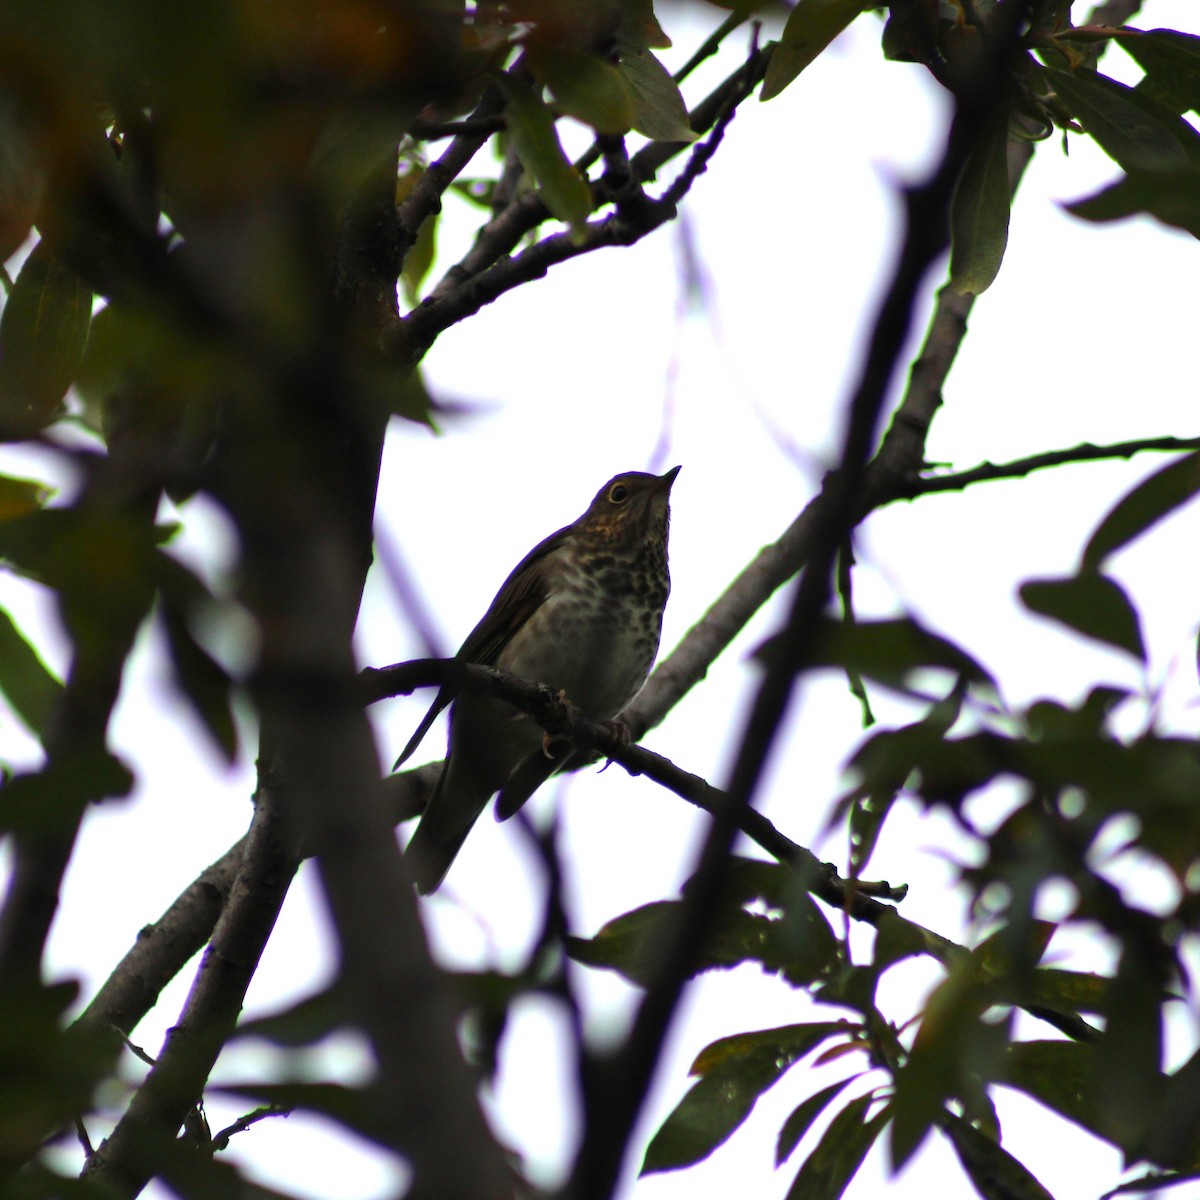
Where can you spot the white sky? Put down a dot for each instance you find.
(1086, 336)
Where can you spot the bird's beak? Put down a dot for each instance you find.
(665, 481)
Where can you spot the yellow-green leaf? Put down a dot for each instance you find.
(812, 25)
(658, 107)
(531, 127)
(43, 334)
(586, 87)
(979, 213)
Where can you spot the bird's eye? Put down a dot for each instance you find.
(618, 493)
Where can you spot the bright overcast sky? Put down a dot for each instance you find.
(1088, 335)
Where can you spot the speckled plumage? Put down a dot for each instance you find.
(582, 613)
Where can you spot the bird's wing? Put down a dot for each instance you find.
(520, 596)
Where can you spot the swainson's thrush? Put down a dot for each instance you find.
(581, 613)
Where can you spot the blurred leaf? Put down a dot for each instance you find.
(1068, 992)
(585, 87)
(734, 1072)
(828, 1170)
(19, 497)
(979, 212)
(888, 651)
(1142, 508)
(1091, 604)
(51, 801)
(994, 1172)
(1138, 132)
(21, 180)
(954, 1054)
(101, 564)
(49, 1073)
(27, 683)
(43, 333)
(531, 126)
(350, 1107)
(802, 1117)
(1171, 61)
(810, 27)
(1170, 196)
(1058, 1074)
(659, 111)
(419, 259)
(1129, 1084)
(304, 1023)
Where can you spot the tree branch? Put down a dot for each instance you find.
(1020, 468)
(145, 1135)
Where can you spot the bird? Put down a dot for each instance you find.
(581, 613)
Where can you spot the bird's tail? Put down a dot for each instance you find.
(439, 837)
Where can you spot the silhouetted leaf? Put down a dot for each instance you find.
(531, 126)
(27, 683)
(1170, 196)
(1058, 1074)
(348, 1106)
(1143, 507)
(810, 27)
(828, 1170)
(1138, 132)
(733, 1072)
(301, 1024)
(994, 1172)
(1091, 604)
(658, 108)
(953, 1054)
(888, 651)
(802, 1117)
(202, 681)
(43, 333)
(979, 212)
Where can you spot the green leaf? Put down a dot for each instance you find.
(27, 683)
(979, 212)
(1143, 507)
(20, 497)
(43, 334)
(1069, 992)
(734, 1072)
(810, 27)
(802, 1117)
(994, 1172)
(1170, 196)
(585, 87)
(1058, 1074)
(1138, 132)
(1091, 604)
(531, 126)
(658, 108)
(953, 1055)
(827, 1172)
(1171, 61)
